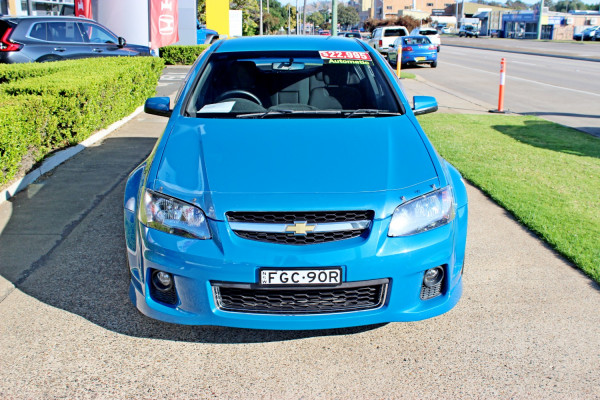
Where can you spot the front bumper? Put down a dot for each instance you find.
(197, 265)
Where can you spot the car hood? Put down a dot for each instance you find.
(270, 164)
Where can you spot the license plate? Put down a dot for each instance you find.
(304, 276)
(420, 58)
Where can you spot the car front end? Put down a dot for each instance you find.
(304, 215)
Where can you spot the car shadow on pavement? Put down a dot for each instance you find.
(551, 136)
(82, 268)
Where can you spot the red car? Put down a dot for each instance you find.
(325, 32)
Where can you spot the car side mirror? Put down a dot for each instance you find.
(122, 42)
(160, 106)
(424, 105)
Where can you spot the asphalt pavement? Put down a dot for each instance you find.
(588, 51)
(527, 326)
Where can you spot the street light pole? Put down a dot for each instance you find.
(539, 27)
(304, 18)
(289, 17)
(297, 18)
(261, 19)
(334, 18)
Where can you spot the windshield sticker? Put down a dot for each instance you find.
(341, 57)
(224, 107)
(355, 62)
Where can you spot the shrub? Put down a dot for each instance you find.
(181, 55)
(13, 72)
(44, 107)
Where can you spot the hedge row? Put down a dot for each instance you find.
(45, 107)
(13, 72)
(181, 55)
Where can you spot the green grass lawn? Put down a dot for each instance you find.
(407, 75)
(545, 174)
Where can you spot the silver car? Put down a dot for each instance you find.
(40, 39)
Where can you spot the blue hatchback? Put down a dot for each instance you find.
(293, 188)
(415, 50)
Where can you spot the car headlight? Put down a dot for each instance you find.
(174, 216)
(423, 213)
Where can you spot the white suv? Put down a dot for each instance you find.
(383, 36)
(431, 33)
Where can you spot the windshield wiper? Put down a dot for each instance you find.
(264, 114)
(369, 111)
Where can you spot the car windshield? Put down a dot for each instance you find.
(307, 84)
(393, 32)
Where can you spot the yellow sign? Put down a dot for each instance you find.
(217, 16)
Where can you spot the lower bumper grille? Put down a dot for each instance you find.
(350, 296)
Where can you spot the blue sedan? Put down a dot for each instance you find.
(293, 188)
(415, 50)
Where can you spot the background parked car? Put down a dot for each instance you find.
(40, 39)
(386, 35)
(597, 35)
(415, 50)
(353, 35)
(431, 33)
(587, 34)
(468, 31)
(205, 35)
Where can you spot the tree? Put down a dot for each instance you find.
(517, 5)
(408, 22)
(201, 14)
(568, 5)
(316, 18)
(250, 15)
(347, 16)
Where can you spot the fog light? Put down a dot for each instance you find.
(433, 276)
(163, 281)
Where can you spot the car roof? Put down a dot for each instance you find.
(290, 43)
(45, 18)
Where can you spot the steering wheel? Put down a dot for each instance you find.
(245, 93)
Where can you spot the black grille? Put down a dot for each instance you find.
(355, 296)
(167, 297)
(431, 292)
(290, 238)
(309, 216)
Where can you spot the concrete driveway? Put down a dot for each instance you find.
(528, 325)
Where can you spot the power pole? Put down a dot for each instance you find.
(539, 27)
(261, 19)
(297, 19)
(304, 18)
(289, 17)
(334, 18)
